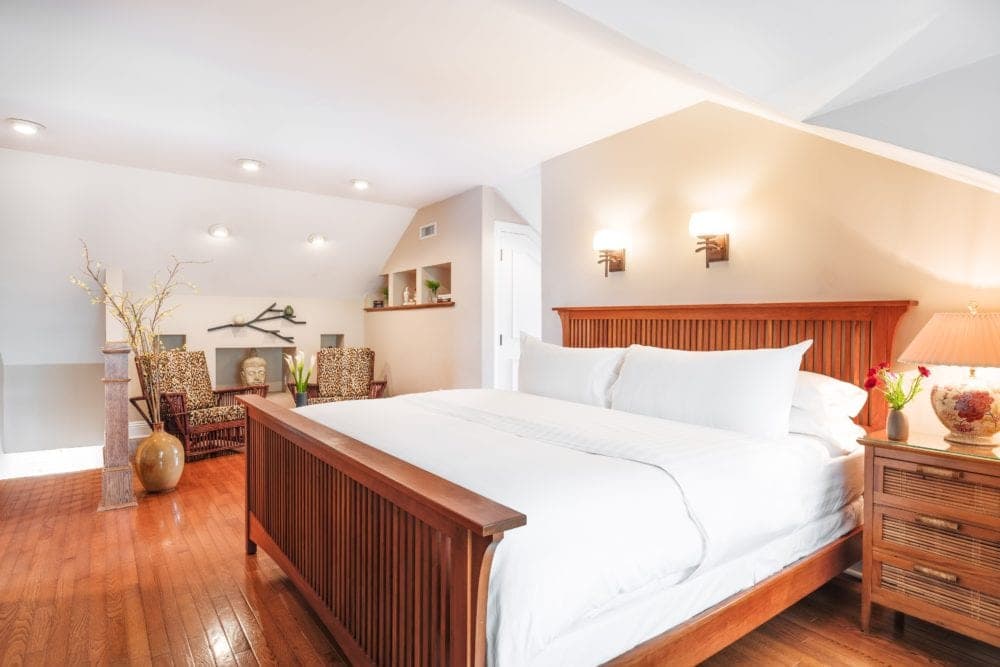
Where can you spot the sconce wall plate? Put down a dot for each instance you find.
(613, 260)
(716, 248)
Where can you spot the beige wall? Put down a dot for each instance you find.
(815, 220)
(435, 348)
(443, 348)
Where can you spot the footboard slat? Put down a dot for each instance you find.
(393, 559)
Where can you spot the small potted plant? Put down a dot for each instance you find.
(897, 395)
(300, 376)
(433, 286)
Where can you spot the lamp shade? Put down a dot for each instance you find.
(709, 223)
(610, 239)
(957, 339)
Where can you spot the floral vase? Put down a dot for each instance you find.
(897, 427)
(159, 460)
(301, 399)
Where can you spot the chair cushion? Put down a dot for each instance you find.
(183, 371)
(216, 415)
(344, 371)
(199, 384)
(334, 399)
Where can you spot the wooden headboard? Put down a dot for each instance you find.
(848, 336)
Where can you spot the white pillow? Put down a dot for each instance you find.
(840, 434)
(822, 394)
(740, 390)
(577, 374)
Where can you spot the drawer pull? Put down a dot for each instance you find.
(943, 473)
(936, 574)
(935, 522)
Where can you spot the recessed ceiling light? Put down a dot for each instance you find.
(218, 232)
(360, 184)
(246, 164)
(316, 239)
(26, 127)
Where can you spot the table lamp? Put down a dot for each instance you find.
(970, 410)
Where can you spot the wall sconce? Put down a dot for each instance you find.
(610, 245)
(712, 230)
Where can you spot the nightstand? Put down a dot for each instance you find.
(932, 533)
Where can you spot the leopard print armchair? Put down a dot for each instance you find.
(206, 420)
(344, 374)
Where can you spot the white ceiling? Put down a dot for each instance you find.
(919, 74)
(424, 99)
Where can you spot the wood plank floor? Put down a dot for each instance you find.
(168, 583)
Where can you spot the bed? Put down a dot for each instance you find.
(399, 562)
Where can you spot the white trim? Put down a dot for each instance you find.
(138, 430)
(50, 461)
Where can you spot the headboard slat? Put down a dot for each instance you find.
(848, 336)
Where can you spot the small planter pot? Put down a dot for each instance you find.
(897, 426)
(301, 399)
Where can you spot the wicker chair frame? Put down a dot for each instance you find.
(202, 439)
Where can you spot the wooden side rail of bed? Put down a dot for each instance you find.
(394, 559)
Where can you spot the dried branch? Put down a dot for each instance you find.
(141, 318)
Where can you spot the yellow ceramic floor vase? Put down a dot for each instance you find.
(159, 460)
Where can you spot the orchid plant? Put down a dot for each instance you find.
(299, 371)
(892, 384)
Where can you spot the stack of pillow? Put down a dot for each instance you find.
(758, 392)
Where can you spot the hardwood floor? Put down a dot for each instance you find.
(169, 583)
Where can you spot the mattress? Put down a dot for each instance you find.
(621, 509)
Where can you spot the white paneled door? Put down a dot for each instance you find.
(518, 299)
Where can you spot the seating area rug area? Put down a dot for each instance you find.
(168, 583)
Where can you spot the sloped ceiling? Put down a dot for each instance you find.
(918, 74)
(424, 99)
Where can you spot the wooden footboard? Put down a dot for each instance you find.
(393, 559)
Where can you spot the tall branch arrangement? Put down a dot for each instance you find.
(141, 317)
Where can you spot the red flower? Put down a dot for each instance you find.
(973, 405)
(882, 366)
(871, 382)
(872, 371)
(924, 371)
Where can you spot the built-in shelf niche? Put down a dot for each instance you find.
(331, 340)
(228, 361)
(398, 282)
(172, 341)
(440, 273)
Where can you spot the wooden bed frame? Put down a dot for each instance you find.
(396, 561)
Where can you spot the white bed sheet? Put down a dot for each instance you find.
(598, 639)
(588, 547)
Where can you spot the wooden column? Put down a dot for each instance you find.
(116, 478)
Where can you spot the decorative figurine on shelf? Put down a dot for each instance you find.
(253, 369)
(408, 296)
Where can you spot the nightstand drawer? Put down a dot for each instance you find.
(968, 548)
(941, 490)
(959, 599)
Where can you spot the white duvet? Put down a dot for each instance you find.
(617, 503)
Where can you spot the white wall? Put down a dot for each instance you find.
(134, 219)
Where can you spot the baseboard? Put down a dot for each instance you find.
(137, 430)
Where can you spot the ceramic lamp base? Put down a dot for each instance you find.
(970, 411)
